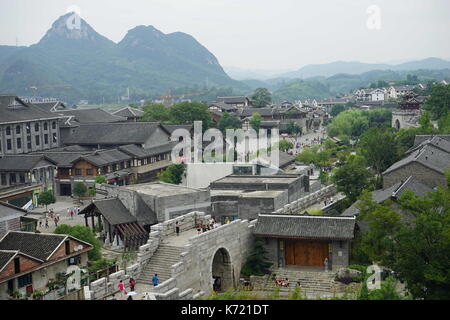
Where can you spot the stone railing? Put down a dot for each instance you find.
(305, 202)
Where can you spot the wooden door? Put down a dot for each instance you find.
(305, 253)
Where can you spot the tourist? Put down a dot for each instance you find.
(130, 298)
(40, 223)
(121, 287)
(56, 221)
(155, 280)
(46, 223)
(132, 284)
(177, 228)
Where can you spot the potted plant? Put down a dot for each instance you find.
(37, 295)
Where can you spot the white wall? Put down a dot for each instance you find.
(200, 175)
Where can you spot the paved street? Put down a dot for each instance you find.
(307, 140)
(60, 207)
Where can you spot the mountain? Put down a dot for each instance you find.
(147, 61)
(249, 74)
(354, 67)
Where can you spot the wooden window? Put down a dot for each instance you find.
(77, 171)
(38, 141)
(8, 144)
(19, 143)
(45, 138)
(8, 130)
(45, 126)
(18, 129)
(36, 127)
(25, 280)
(89, 172)
(54, 125)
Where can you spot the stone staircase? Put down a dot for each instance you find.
(313, 284)
(160, 263)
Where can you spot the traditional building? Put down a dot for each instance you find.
(23, 177)
(131, 114)
(30, 262)
(304, 240)
(25, 128)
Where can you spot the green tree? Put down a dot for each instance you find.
(308, 155)
(413, 240)
(294, 129)
(337, 108)
(256, 263)
(227, 121)
(155, 112)
(255, 121)
(285, 145)
(46, 198)
(352, 177)
(85, 234)
(173, 174)
(380, 149)
(261, 98)
(100, 179)
(79, 189)
(188, 112)
(438, 104)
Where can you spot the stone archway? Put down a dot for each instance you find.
(222, 270)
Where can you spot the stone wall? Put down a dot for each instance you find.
(340, 254)
(305, 202)
(195, 268)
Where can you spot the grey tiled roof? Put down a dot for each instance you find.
(14, 109)
(112, 133)
(21, 162)
(102, 158)
(96, 115)
(113, 210)
(232, 99)
(429, 156)
(172, 127)
(37, 245)
(421, 138)
(5, 257)
(305, 226)
(139, 152)
(129, 112)
(8, 211)
(248, 112)
(395, 191)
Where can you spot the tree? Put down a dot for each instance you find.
(413, 240)
(285, 145)
(46, 198)
(352, 177)
(294, 129)
(188, 112)
(79, 189)
(155, 112)
(255, 121)
(309, 155)
(85, 234)
(438, 104)
(379, 147)
(227, 121)
(173, 174)
(100, 179)
(257, 263)
(261, 98)
(337, 108)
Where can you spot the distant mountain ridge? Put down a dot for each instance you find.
(147, 61)
(355, 67)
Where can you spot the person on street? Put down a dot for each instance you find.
(155, 280)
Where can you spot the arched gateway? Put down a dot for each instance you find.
(222, 271)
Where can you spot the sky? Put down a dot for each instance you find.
(258, 34)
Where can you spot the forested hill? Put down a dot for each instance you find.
(147, 61)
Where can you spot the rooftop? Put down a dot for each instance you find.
(305, 227)
(13, 109)
(160, 189)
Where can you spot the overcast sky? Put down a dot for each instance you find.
(258, 34)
